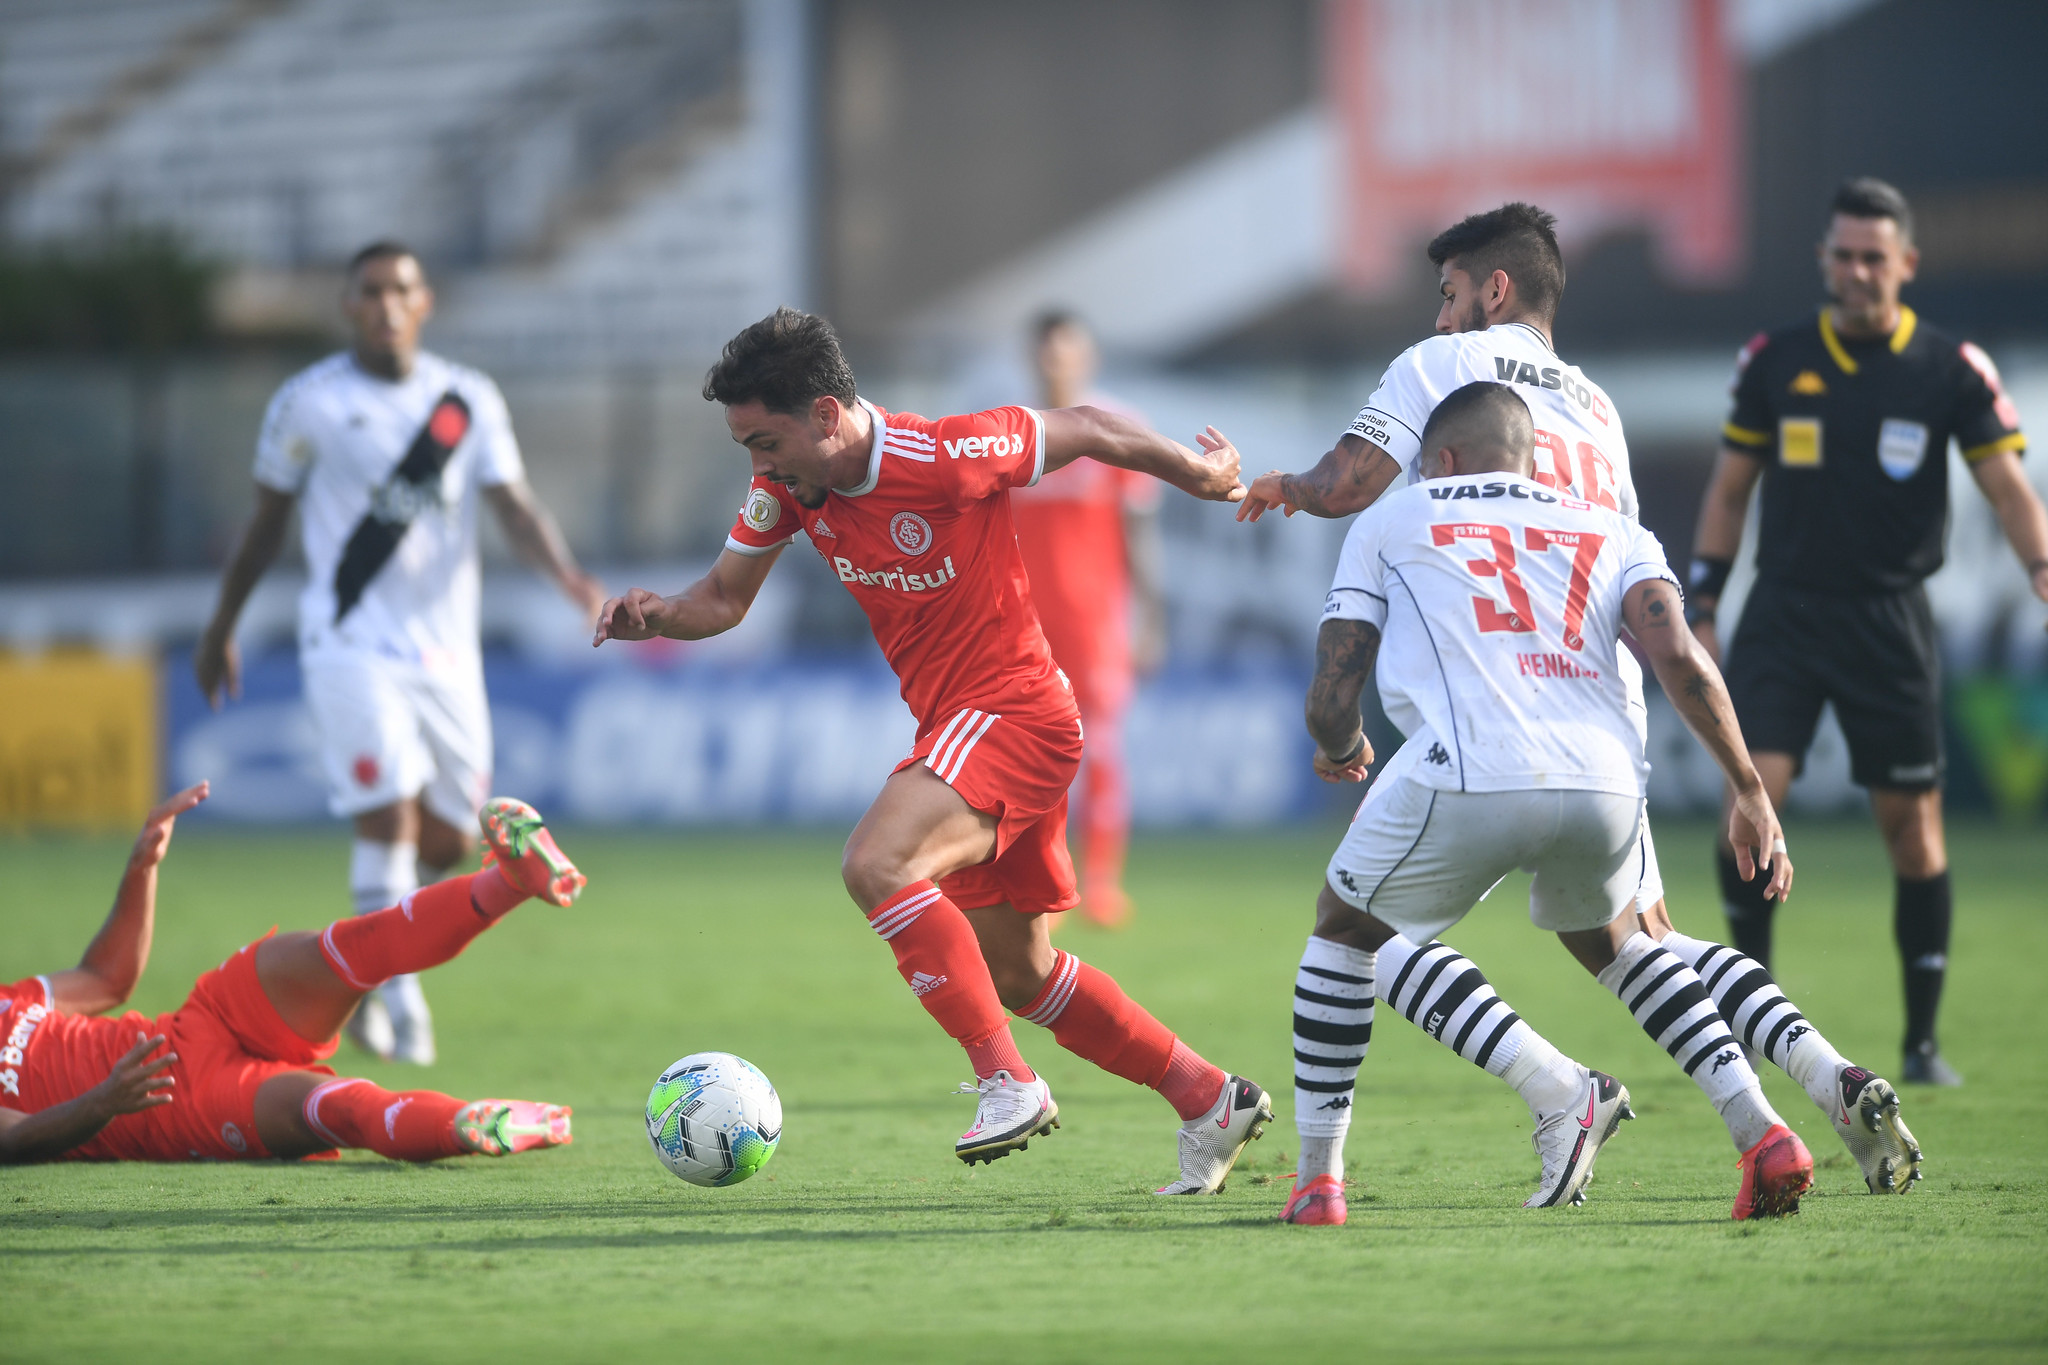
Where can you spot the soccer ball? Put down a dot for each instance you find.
(713, 1119)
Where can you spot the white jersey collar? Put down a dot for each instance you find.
(874, 477)
(1541, 340)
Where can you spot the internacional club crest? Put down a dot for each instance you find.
(911, 532)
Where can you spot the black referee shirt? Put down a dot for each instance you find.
(1854, 437)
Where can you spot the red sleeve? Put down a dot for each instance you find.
(981, 454)
(768, 518)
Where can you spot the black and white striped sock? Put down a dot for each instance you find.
(1760, 1015)
(1445, 995)
(1671, 1003)
(1333, 1006)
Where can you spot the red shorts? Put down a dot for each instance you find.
(230, 1040)
(1017, 770)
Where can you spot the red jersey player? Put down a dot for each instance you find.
(1089, 534)
(963, 853)
(234, 1071)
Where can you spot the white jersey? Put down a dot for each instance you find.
(335, 436)
(1579, 446)
(1499, 606)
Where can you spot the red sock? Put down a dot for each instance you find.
(424, 930)
(1091, 1017)
(940, 959)
(411, 1125)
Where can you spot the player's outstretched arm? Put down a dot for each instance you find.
(1655, 616)
(712, 605)
(2019, 511)
(217, 663)
(1349, 478)
(1718, 538)
(538, 542)
(105, 977)
(136, 1083)
(1345, 651)
(1112, 438)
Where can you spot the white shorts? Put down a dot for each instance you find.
(1419, 859)
(391, 730)
(1652, 889)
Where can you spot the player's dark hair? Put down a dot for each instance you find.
(1866, 196)
(785, 362)
(1482, 409)
(1518, 238)
(1050, 320)
(383, 249)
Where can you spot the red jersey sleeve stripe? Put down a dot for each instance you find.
(1038, 458)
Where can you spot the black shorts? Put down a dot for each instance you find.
(1874, 655)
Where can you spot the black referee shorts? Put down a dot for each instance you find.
(1874, 655)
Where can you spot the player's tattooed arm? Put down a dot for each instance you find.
(1345, 652)
(1349, 478)
(137, 1082)
(712, 605)
(1653, 614)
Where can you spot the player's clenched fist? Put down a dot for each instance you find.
(636, 616)
(1221, 482)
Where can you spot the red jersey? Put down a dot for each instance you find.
(926, 545)
(49, 1057)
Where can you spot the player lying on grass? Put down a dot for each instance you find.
(963, 854)
(233, 1072)
(1501, 279)
(1491, 608)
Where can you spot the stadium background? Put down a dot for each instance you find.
(606, 190)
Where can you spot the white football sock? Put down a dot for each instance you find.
(1444, 994)
(381, 875)
(1333, 1008)
(1671, 1003)
(1761, 1016)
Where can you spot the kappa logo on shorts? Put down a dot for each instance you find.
(1350, 883)
(1438, 756)
(911, 533)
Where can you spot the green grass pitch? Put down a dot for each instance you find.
(865, 1240)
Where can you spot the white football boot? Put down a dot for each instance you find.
(1570, 1140)
(1210, 1145)
(1865, 1112)
(1010, 1114)
(369, 1028)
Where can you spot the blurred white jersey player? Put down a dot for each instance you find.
(1501, 278)
(385, 448)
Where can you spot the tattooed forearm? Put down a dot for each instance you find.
(1701, 693)
(1345, 651)
(1309, 491)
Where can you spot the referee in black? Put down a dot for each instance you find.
(1847, 417)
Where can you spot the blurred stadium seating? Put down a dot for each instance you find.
(606, 190)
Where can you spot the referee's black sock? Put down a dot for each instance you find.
(1920, 923)
(1749, 911)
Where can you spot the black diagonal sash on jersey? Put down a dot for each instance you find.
(397, 501)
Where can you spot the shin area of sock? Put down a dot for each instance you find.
(997, 1051)
(1091, 1017)
(492, 893)
(408, 1125)
(425, 929)
(940, 960)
